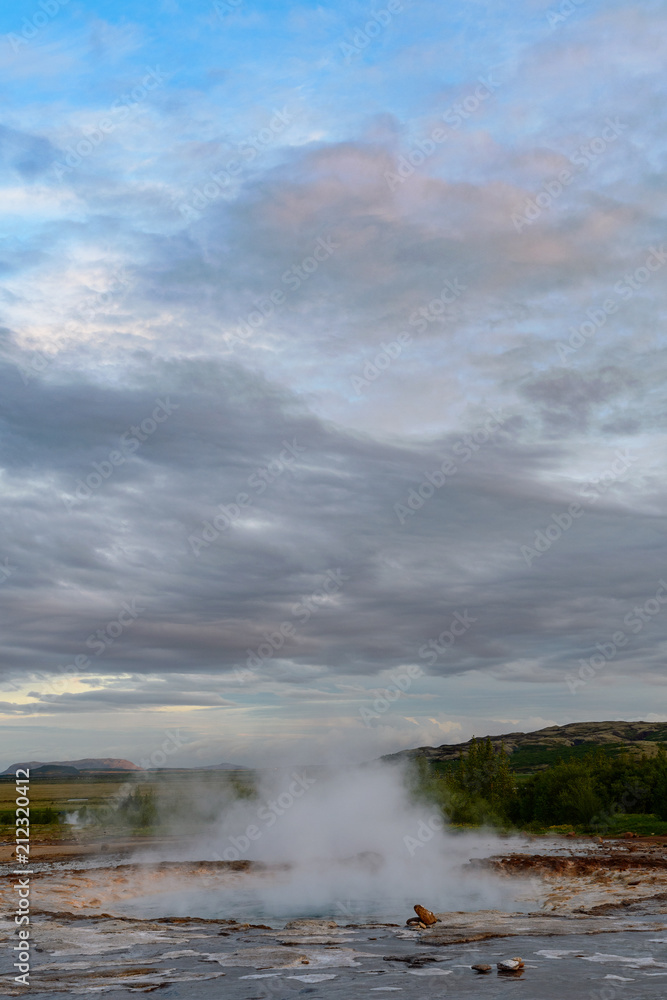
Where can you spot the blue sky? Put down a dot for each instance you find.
(297, 295)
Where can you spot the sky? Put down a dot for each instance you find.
(332, 409)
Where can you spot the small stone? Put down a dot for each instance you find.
(481, 968)
(425, 915)
(510, 965)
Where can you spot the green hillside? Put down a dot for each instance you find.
(586, 777)
(531, 752)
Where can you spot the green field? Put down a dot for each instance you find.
(538, 789)
(128, 802)
(643, 824)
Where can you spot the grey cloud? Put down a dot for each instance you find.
(333, 509)
(189, 288)
(109, 701)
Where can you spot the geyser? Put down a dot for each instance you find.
(347, 843)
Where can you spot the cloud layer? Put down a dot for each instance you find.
(320, 364)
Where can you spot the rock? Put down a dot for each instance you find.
(481, 968)
(425, 915)
(414, 961)
(415, 922)
(510, 965)
(629, 836)
(307, 924)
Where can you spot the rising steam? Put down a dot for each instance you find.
(345, 844)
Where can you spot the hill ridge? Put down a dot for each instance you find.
(85, 764)
(635, 735)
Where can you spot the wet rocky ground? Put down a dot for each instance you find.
(207, 959)
(590, 921)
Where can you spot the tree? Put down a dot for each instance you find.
(483, 781)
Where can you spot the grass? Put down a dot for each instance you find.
(52, 798)
(645, 824)
(54, 792)
(49, 802)
(38, 817)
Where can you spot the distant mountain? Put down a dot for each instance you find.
(533, 751)
(55, 769)
(221, 767)
(87, 764)
(39, 767)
